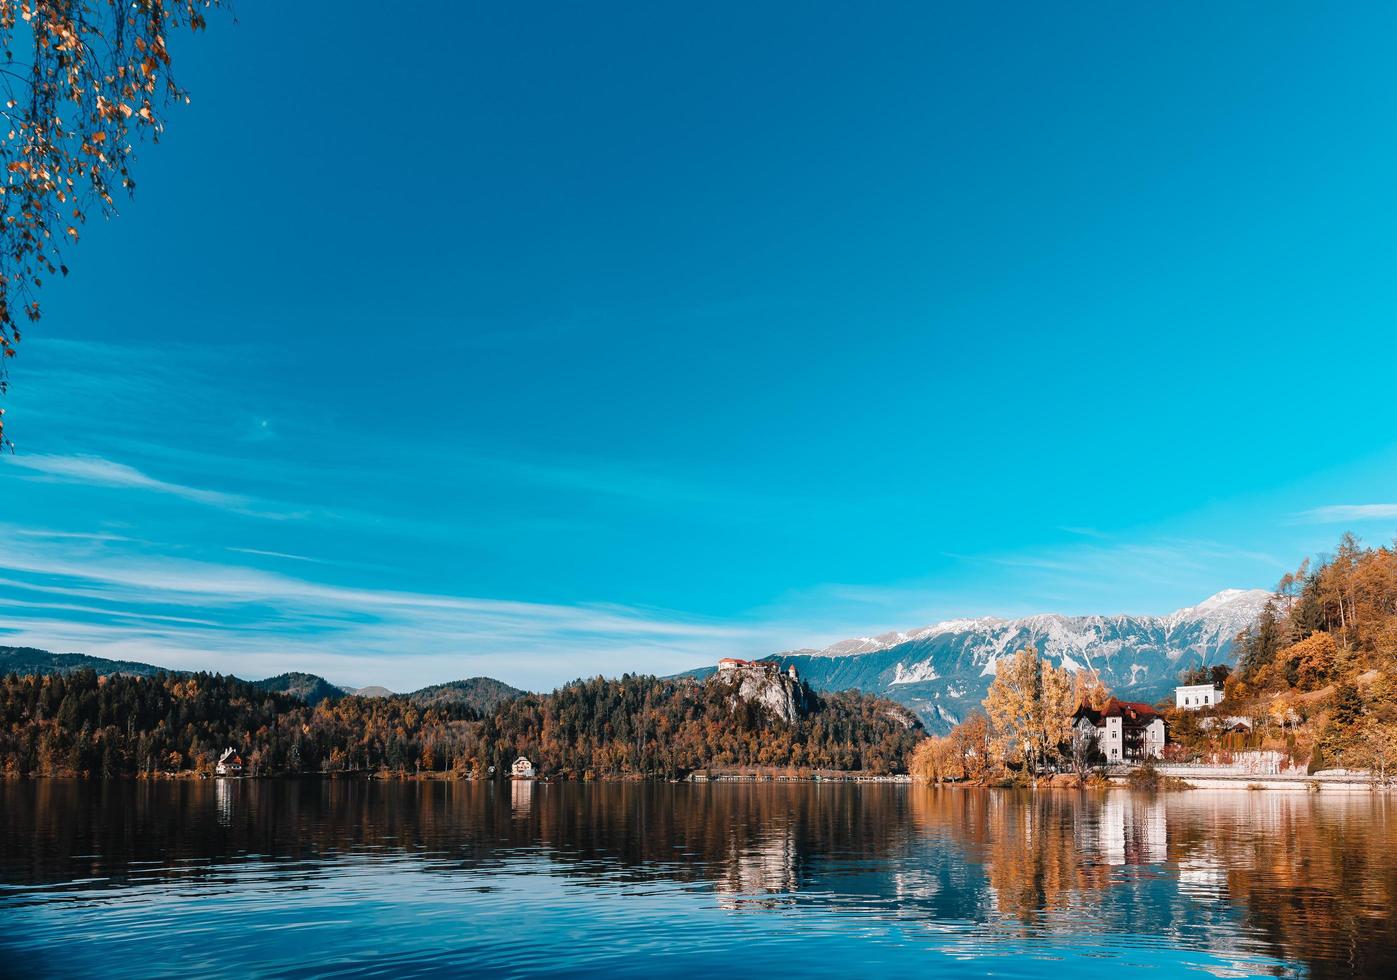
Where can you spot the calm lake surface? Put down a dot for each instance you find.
(343, 879)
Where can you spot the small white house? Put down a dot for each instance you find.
(522, 769)
(1194, 696)
(229, 764)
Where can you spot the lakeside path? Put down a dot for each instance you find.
(1227, 777)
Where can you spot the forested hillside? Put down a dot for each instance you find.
(477, 693)
(28, 660)
(1317, 675)
(83, 724)
(118, 725)
(310, 688)
(481, 694)
(659, 726)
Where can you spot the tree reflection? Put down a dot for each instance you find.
(1315, 874)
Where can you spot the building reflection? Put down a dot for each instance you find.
(759, 873)
(223, 801)
(1132, 829)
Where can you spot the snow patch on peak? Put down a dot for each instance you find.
(875, 644)
(1219, 616)
(957, 626)
(1224, 597)
(1246, 601)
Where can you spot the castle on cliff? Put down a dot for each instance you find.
(764, 666)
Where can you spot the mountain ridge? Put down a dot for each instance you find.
(873, 644)
(943, 671)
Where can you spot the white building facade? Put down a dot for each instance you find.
(1125, 731)
(1192, 697)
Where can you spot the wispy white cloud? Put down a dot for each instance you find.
(73, 607)
(72, 535)
(1339, 513)
(109, 600)
(276, 554)
(97, 471)
(117, 599)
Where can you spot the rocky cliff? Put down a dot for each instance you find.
(763, 682)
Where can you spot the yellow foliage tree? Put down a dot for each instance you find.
(1088, 689)
(1312, 661)
(1030, 705)
(936, 759)
(972, 742)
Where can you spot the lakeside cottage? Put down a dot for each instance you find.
(1125, 731)
(1192, 697)
(229, 764)
(1237, 724)
(522, 768)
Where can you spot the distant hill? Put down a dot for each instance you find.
(27, 660)
(484, 694)
(310, 688)
(481, 694)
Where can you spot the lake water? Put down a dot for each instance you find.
(345, 879)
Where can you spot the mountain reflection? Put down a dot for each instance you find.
(1307, 879)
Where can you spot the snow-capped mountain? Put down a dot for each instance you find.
(943, 671)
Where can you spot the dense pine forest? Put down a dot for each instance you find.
(117, 725)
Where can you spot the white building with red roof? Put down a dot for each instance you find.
(1125, 731)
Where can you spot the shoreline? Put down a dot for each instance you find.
(1169, 782)
(451, 777)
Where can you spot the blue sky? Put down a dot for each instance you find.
(547, 342)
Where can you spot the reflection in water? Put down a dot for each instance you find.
(1132, 829)
(351, 879)
(759, 871)
(223, 798)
